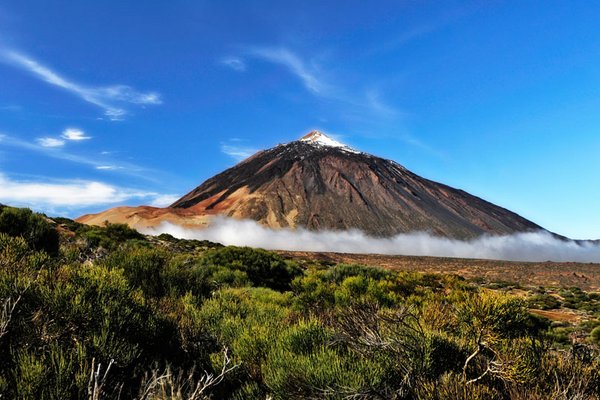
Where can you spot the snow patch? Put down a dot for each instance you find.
(319, 139)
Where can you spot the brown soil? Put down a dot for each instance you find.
(145, 216)
(559, 315)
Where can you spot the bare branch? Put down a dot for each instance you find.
(165, 384)
(9, 305)
(97, 380)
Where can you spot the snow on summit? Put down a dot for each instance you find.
(320, 139)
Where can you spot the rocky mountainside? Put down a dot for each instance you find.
(319, 183)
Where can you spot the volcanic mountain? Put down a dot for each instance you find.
(318, 183)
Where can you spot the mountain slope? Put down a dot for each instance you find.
(319, 183)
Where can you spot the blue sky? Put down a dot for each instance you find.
(126, 102)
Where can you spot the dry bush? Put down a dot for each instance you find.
(167, 384)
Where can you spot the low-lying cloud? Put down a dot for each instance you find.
(531, 246)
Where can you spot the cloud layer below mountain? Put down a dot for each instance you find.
(532, 246)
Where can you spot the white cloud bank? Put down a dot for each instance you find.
(533, 246)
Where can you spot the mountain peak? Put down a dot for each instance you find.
(320, 139)
(319, 183)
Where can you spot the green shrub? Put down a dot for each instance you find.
(172, 306)
(324, 373)
(595, 335)
(57, 373)
(71, 225)
(36, 229)
(263, 268)
(250, 391)
(340, 272)
(183, 274)
(443, 355)
(142, 267)
(312, 293)
(543, 302)
(494, 314)
(305, 337)
(110, 236)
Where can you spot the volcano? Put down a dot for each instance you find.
(318, 183)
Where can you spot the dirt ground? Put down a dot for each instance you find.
(559, 274)
(569, 316)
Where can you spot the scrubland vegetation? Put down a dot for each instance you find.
(105, 313)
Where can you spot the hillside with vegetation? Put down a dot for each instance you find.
(107, 313)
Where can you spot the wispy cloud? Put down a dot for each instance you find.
(234, 63)
(376, 103)
(109, 98)
(404, 37)
(77, 193)
(285, 57)
(315, 79)
(70, 134)
(99, 164)
(50, 142)
(74, 134)
(237, 151)
(363, 104)
(414, 33)
(164, 200)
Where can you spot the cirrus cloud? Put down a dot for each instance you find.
(236, 151)
(50, 142)
(234, 63)
(111, 99)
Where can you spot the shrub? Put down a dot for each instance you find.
(543, 302)
(110, 236)
(263, 268)
(165, 309)
(495, 315)
(142, 267)
(443, 354)
(340, 272)
(185, 274)
(71, 225)
(324, 373)
(595, 335)
(36, 229)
